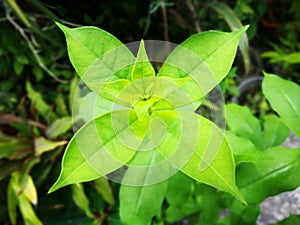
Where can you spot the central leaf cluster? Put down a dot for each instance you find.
(150, 125)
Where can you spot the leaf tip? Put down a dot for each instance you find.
(59, 183)
(62, 27)
(54, 187)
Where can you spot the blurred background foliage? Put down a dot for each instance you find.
(38, 86)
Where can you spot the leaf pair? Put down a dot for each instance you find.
(150, 126)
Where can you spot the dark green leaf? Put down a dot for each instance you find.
(81, 199)
(269, 177)
(59, 127)
(275, 131)
(243, 124)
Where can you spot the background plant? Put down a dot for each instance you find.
(22, 123)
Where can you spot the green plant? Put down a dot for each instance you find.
(264, 168)
(154, 130)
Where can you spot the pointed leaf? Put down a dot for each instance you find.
(97, 56)
(142, 67)
(284, 98)
(98, 148)
(205, 57)
(203, 152)
(234, 24)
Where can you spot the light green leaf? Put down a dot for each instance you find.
(42, 145)
(284, 98)
(87, 44)
(279, 173)
(142, 67)
(202, 152)
(292, 58)
(275, 131)
(59, 127)
(243, 124)
(205, 57)
(98, 148)
(81, 199)
(234, 24)
(93, 105)
(141, 203)
(97, 56)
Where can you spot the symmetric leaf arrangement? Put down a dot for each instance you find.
(150, 130)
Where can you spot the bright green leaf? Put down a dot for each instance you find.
(97, 56)
(93, 105)
(284, 98)
(202, 152)
(142, 67)
(234, 24)
(149, 129)
(205, 57)
(98, 148)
